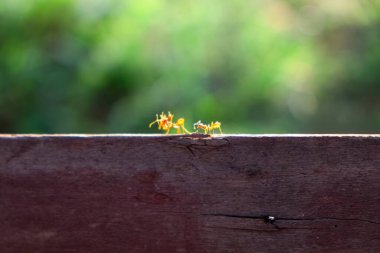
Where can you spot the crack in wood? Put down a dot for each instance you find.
(265, 218)
(188, 147)
(206, 141)
(193, 143)
(22, 149)
(331, 218)
(277, 229)
(228, 141)
(242, 229)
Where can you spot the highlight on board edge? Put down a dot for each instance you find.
(166, 123)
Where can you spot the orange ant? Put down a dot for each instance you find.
(165, 122)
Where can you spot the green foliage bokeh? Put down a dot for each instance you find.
(276, 66)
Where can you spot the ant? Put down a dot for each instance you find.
(210, 127)
(165, 122)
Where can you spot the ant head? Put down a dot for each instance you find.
(197, 124)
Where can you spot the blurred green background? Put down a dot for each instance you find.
(275, 66)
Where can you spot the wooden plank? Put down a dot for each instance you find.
(153, 193)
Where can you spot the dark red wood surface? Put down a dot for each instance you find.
(141, 193)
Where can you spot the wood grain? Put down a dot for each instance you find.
(153, 193)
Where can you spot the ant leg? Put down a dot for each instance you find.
(156, 121)
(151, 124)
(185, 130)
